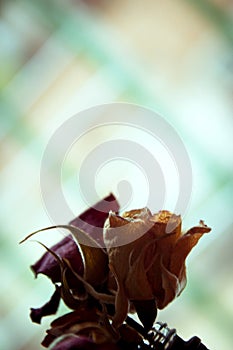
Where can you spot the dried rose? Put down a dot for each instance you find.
(141, 267)
(150, 266)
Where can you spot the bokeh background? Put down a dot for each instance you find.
(59, 57)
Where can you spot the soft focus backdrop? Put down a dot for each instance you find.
(61, 56)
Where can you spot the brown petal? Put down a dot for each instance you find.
(136, 284)
(165, 223)
(121, 301)
(143, 214)
(184, 245)
(167, 229)
(127, 262)
(154, 275)
(122, 231)
(95, 258)
(170, 285)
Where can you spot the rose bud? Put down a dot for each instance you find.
(147, 257)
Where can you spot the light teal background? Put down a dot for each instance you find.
(59, 57)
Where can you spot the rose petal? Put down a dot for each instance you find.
(165, 223)
(170, 285)
(155, 278)
(95, 258)
(121, 301)
(68, 249)
(73, 342)
(121, 231)
(49, 308)
(48, 265)
(136, 283)
(64, 324)
(96, 216)
(167, 228)
(184, 245)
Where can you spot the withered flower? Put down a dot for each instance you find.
(151, 267)
(108, 266)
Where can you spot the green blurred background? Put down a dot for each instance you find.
(61, 56)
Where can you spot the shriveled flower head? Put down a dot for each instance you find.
(109, 266)
(153, 265)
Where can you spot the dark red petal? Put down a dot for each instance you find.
(85, 313)
(48, 265)
(49, 308)
(72, 342)
(110, 346)
(67, 248)
(96, 216)
(61, 325)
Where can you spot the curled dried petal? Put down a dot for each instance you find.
(184, 245)
(68, 249)
(72, 342)
(49, 308)
(48, 265)
(95, 217)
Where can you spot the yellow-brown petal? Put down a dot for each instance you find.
(170, 285)
(184, 245)
(136, 284)
(121, 300)
(165, 223)
(155, 278)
